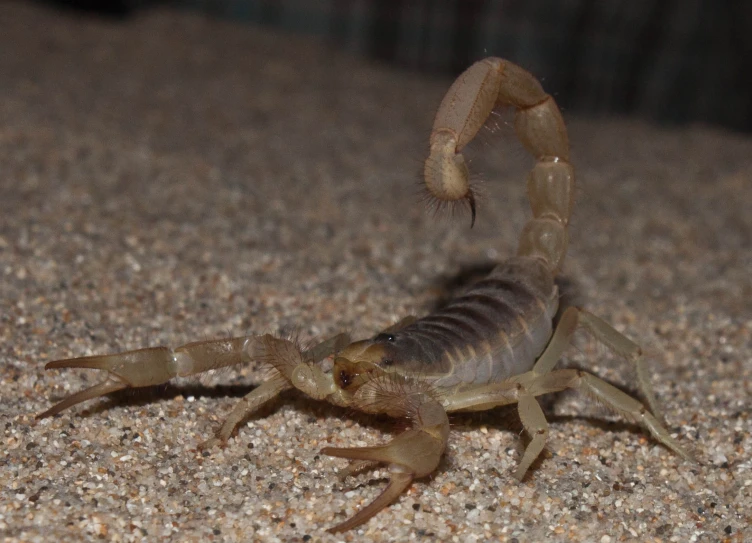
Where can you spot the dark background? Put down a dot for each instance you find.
(674, 61)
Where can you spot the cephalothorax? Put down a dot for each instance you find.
(492, 346)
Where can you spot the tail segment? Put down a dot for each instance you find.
(492, 83)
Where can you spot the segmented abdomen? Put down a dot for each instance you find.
(495, 330)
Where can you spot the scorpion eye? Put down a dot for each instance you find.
(387, 362)
(344, 379)
(385, 337)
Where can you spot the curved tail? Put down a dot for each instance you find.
(491, 83)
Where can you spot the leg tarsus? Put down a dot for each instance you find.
(535, 424)
(532, 417)
(251, 402)
(624, 404)
(625, 347)
(574, 317)
(289, 363)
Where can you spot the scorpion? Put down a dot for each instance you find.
(494, 345)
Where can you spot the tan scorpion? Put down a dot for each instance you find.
(494, 345)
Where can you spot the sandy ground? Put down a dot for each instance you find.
(174, 179)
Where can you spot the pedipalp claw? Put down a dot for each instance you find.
(360, 457)
(139, 368)
(412, 454)
(151, 366)
(399, 480)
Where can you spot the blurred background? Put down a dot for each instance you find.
(670, 61)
